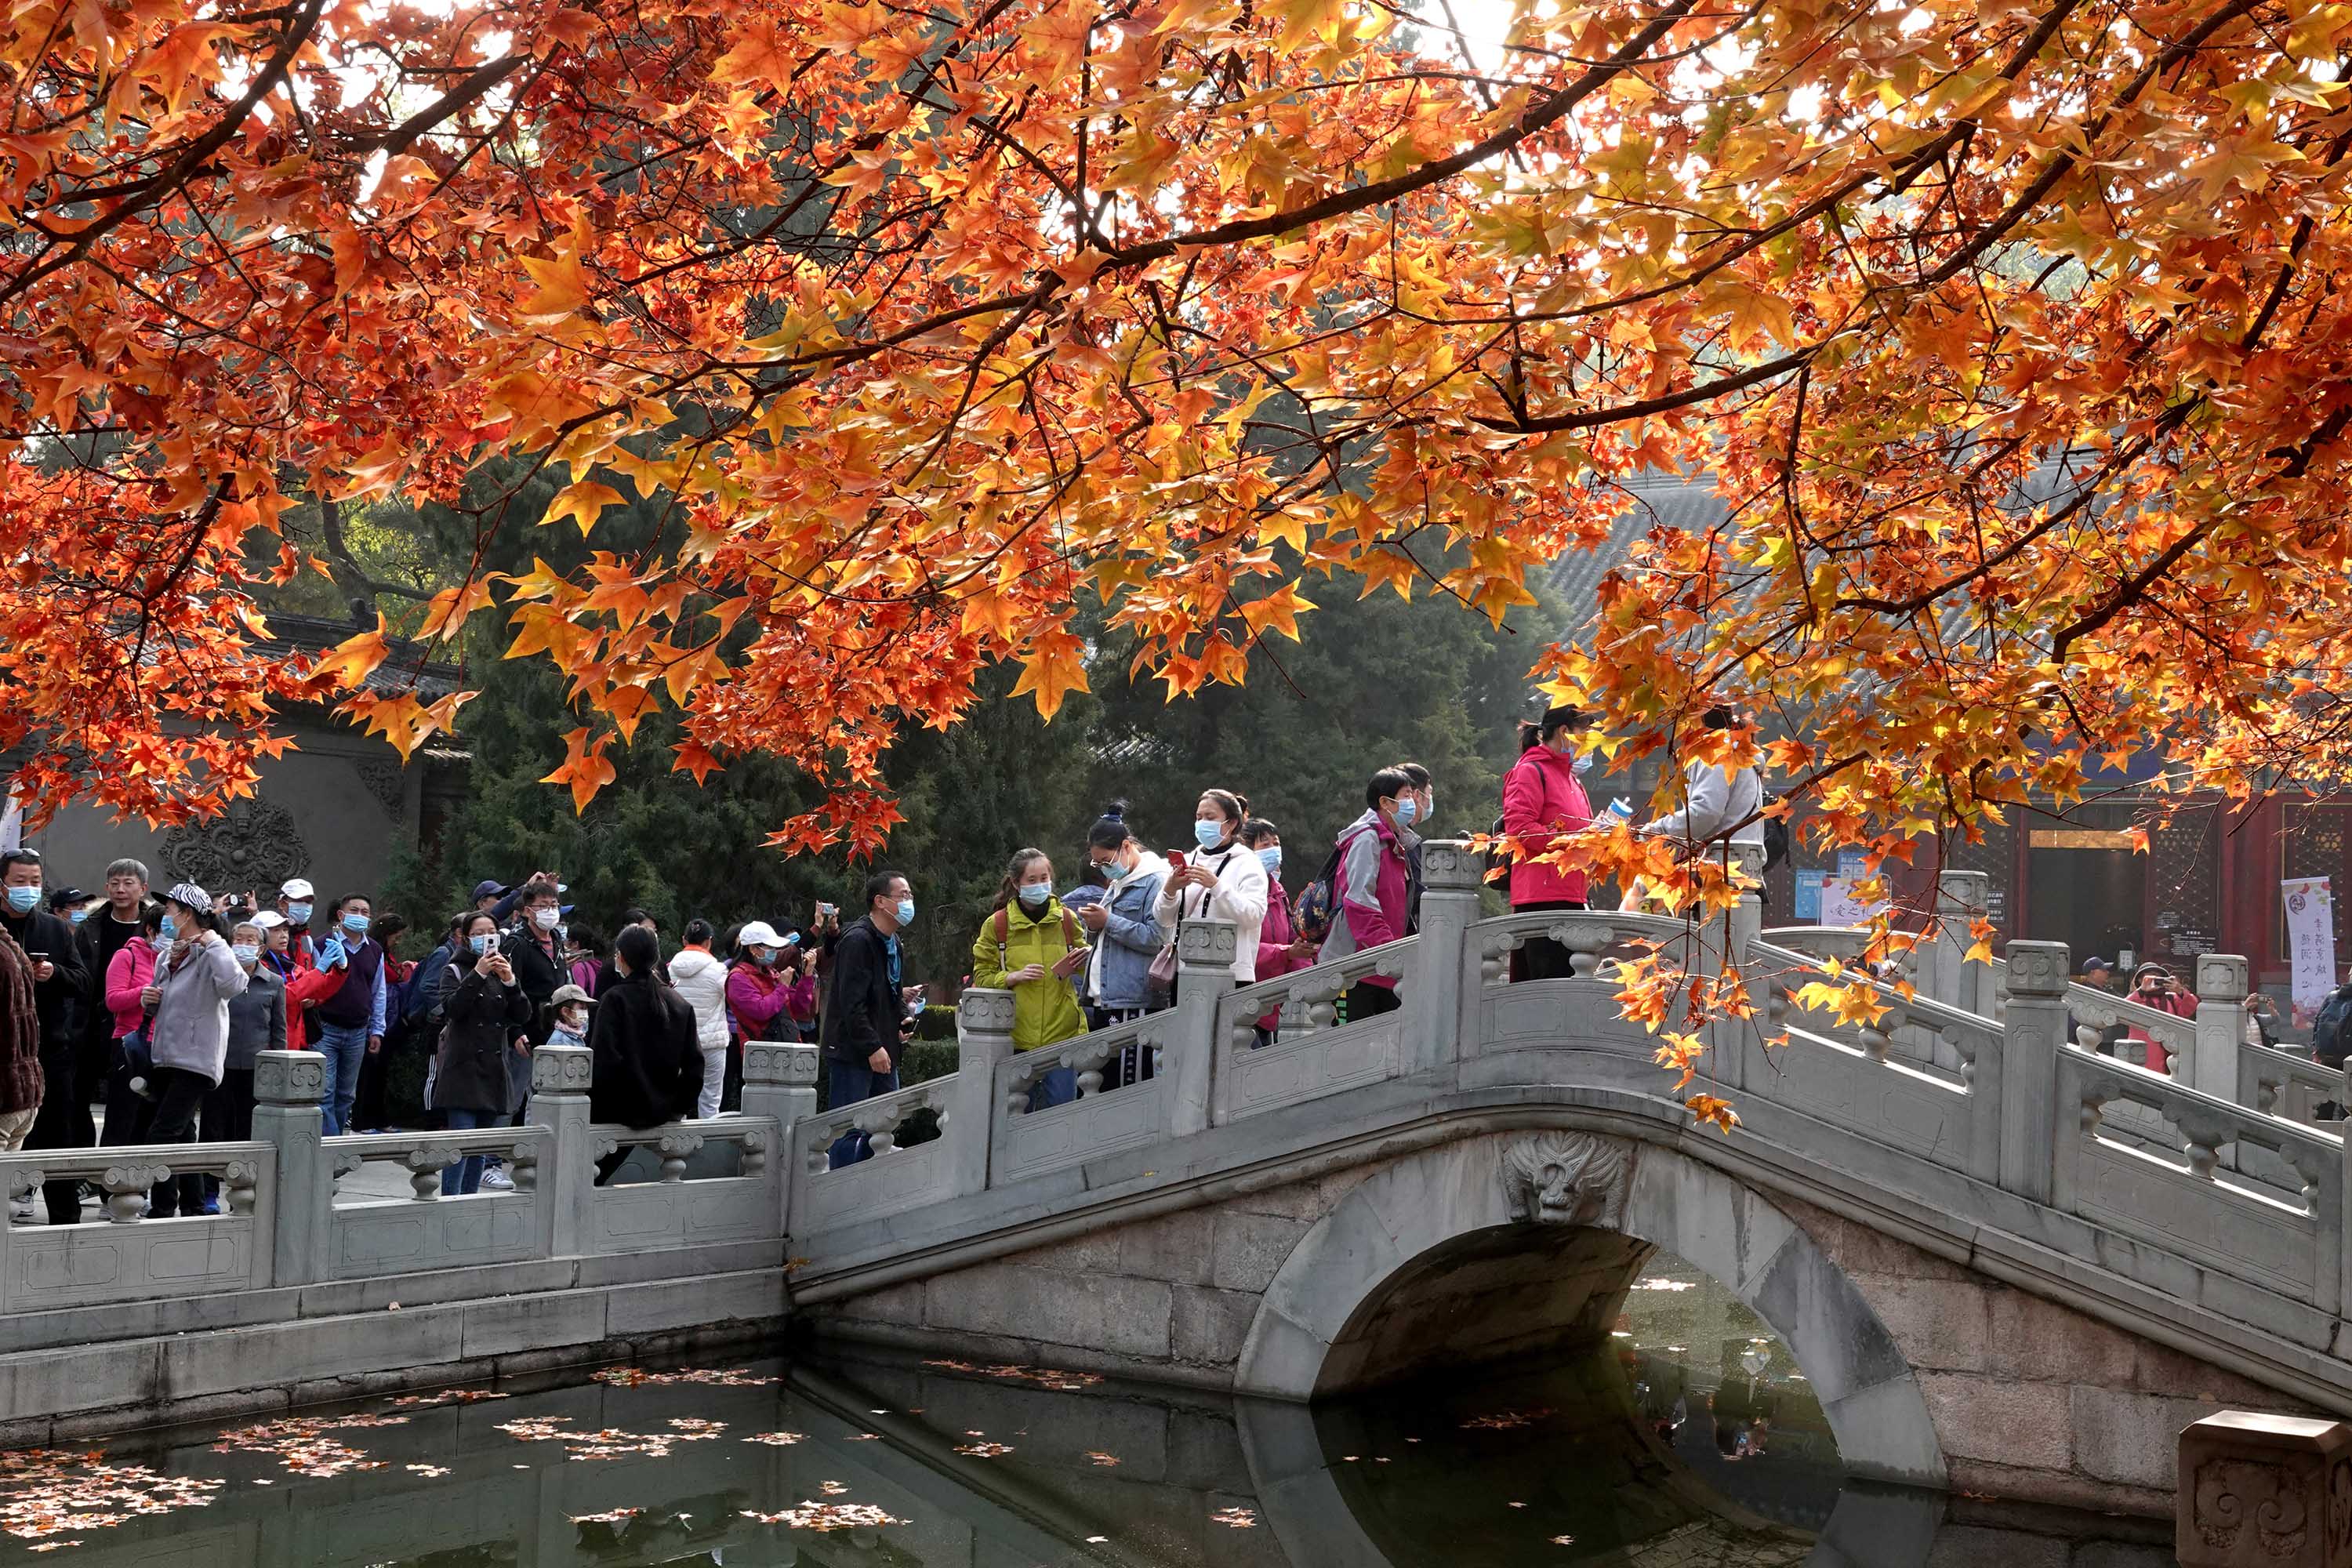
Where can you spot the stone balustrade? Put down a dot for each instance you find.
(281, 1222)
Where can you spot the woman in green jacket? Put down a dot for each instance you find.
(1031, 946)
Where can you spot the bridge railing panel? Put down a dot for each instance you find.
(1117, 1098)
(712, 1181)
(2188, 1200)
(1854, 1076)
(1577, 1010)
(427, 1230)
(1285, 1040)
(2281, 1081)
(900, 1151)
(133, 1258)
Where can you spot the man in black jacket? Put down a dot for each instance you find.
(61, 992)
(866, 1015)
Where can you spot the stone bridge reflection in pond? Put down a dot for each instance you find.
(1690, 1445)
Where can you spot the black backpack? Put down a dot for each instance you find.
(2327, 1042)
(1776, 840)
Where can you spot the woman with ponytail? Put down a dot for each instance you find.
(1220, 879)
(1543, 799)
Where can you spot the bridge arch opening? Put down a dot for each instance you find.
(1519, 1246)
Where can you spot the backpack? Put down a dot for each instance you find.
(1311, 916)
(2327, 1042)
(1776, 837)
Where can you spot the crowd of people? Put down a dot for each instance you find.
(153, 1010)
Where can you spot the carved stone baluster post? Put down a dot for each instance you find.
(1732, 1041)
(983, 1042)
(285, 1089)
(1941, 970)
(2213, 1064)
(2031, 1033)
(779, 1080)
(1204, 977)
(1440, 1000)
(560, 1077)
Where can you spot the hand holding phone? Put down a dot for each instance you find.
(1073, 961)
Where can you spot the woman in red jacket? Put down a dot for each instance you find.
(1543, 800)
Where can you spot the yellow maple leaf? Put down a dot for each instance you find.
(585, 767)
(1055, 667)
(1279, 609)
(583, 501)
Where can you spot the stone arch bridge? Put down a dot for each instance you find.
(2007, 1264)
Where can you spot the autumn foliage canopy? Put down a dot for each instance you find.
(2015, 330)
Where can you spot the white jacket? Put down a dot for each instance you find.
(1239, 896)
(702, 980)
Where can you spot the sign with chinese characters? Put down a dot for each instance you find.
(2311, 944)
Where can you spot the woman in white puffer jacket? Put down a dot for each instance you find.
(702, 980)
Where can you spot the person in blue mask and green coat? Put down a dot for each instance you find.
(1031, 946)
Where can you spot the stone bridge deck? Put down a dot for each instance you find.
(2006, 1263)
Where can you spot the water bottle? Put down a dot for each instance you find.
(1621, 809)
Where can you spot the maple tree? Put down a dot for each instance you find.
(2014, 329)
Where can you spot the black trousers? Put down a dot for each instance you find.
(179, 1102)
(63, 1123)
(1368, 1001)
(1542, 958)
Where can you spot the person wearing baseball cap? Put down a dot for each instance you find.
(296, 899)
(487, 893)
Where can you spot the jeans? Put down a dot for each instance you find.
(846, 1083)
(1059, 1087)
(179, 1097)
(714, 1084)
(465, 1176)
(344, 1049)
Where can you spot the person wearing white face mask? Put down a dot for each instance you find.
(1544, 801)
(1031, 946)
(256, 1023)
(1221, 880)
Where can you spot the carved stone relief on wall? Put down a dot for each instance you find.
(254, 844)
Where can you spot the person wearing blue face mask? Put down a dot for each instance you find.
(1031, 946)
(1125, 930)
(1280, 949)
(1544, 803)
(865, 1021)
(296, 899)
(1222, 879)
(352, 1016)
(60, 993)
(483, 1014)
(1371, 885)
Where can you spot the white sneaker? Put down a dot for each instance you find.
(495, 1180)
(20, 1210)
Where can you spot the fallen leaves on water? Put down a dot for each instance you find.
(984, 1450)
(776, 1439)
(1105, 1460)
(1043, 1377)
(638, 1377)
(1563, 1540)
(306, 1444)
(1235, 1518)
(609, 1516)
(447, 1396)
(48, 1492)
(612, 1442)
(814, 1515)
(1504, 1420)
(431, 1472)
(833, 1488)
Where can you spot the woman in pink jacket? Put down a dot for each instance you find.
(1543, 799)
(1279, 951)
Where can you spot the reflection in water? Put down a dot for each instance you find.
(1693, 1444)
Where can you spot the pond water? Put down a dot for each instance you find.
(1692, 1442)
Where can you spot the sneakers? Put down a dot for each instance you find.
(495, 1180)
(20, 1210)
(212, 1205)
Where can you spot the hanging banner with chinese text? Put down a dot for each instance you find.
(2311, 943)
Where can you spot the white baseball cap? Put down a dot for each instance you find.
(295, 888)
(759, 933)
(264, 920)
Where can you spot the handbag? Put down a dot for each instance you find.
(1160, 980)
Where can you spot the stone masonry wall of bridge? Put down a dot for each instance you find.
(2029, 1399)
